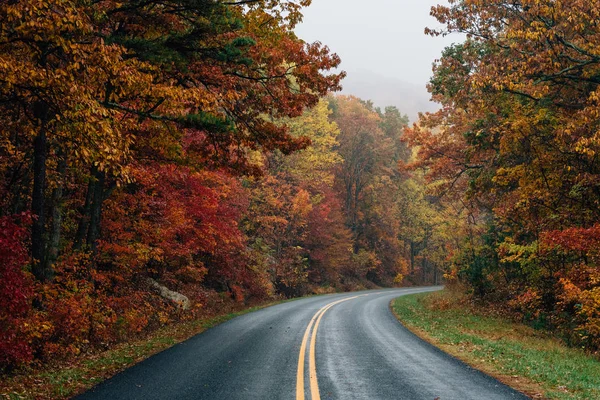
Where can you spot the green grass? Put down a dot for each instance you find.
(528, 360)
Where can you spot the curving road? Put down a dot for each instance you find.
(342, 346)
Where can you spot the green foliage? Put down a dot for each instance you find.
(205, 121)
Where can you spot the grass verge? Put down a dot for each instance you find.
(538, 365)
(65, 380)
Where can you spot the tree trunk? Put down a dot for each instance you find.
(57, 215)
(412, 257)
(96, 211)
(40, 150)
(85, 213)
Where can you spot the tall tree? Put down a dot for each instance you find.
(518, 135)
(89, 81)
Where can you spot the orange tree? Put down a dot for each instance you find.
(99, 98)
(518, 134)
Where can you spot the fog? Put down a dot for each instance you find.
(380, 42)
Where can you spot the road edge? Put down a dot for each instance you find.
(523, 385)
(65, 380)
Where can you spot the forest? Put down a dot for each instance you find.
(159, 159)
(515, 148)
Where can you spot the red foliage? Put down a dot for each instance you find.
(180, 227)
(574, 239)
(145, 184)
(329, 241)
(170, 219)
(16, 290)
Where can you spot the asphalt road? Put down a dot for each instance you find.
(359, 351)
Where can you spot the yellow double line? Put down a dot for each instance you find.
(312, 367)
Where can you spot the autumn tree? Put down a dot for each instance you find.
(295, 215)
(125, 125)
(171, 65)
(373, 188)
(517, 135)
(359, 142)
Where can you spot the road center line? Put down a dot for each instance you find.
(314, 385)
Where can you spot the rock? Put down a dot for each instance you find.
(168, 294)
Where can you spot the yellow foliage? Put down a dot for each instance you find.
(398, 279)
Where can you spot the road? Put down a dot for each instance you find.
(342, 346)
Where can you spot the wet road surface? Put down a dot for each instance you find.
(342, 346)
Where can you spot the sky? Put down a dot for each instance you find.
(379, 38)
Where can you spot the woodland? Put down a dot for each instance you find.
(161, 158)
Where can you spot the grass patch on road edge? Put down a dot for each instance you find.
(66, 380)
(529, 361)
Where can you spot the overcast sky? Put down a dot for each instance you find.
(384, 37)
